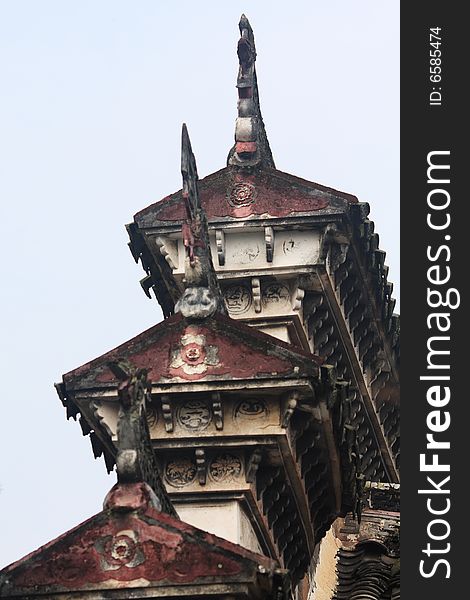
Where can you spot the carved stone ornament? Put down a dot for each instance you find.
(256, 291)
(238, 299)
(152, 415)
(250, 409)
(217, 411)
(119, 550)
(193, 356)
(180, 472)
(197, 303)
(194, 415)
(201, 465)
(299, 294)
(276, 294)
(167, 413)
(242, 194)
(225, 468)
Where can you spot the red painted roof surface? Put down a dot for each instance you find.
(231, 193)
(130, 544)
(176, 350)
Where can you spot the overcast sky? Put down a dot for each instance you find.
(93, 96)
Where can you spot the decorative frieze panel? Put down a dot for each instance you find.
(238, 250)
(218, 469)
(264, 297)
(263, 248)
(181, 417)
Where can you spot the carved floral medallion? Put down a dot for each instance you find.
(242, 194)
(119, 550)
(225, 468)
(192, 357)
(180, 472)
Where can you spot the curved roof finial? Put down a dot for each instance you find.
(251, 143)
(202, 296)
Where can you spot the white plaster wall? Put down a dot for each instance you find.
(245, 250)
(324, 579)
(278, 331)
(224, 519)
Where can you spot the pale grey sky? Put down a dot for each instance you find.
(93, 97)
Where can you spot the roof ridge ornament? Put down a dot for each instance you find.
(202, 296)
(135, 457)
(251, 142)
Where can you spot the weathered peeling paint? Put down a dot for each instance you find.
(220, 347)
(130, 544)
(274, 194)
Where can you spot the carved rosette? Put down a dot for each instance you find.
(180, 472)
(192, 357)
(242, 194)
(119, 550)
(225, 468)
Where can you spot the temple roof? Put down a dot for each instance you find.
(250, 185)
(178, 350)
(266, 192)
(132, 548)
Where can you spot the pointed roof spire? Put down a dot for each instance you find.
(251, 143)
(190, 176)
(202, 296)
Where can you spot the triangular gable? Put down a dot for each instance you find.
(131, 545)
(217, 348)
(228, 193)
